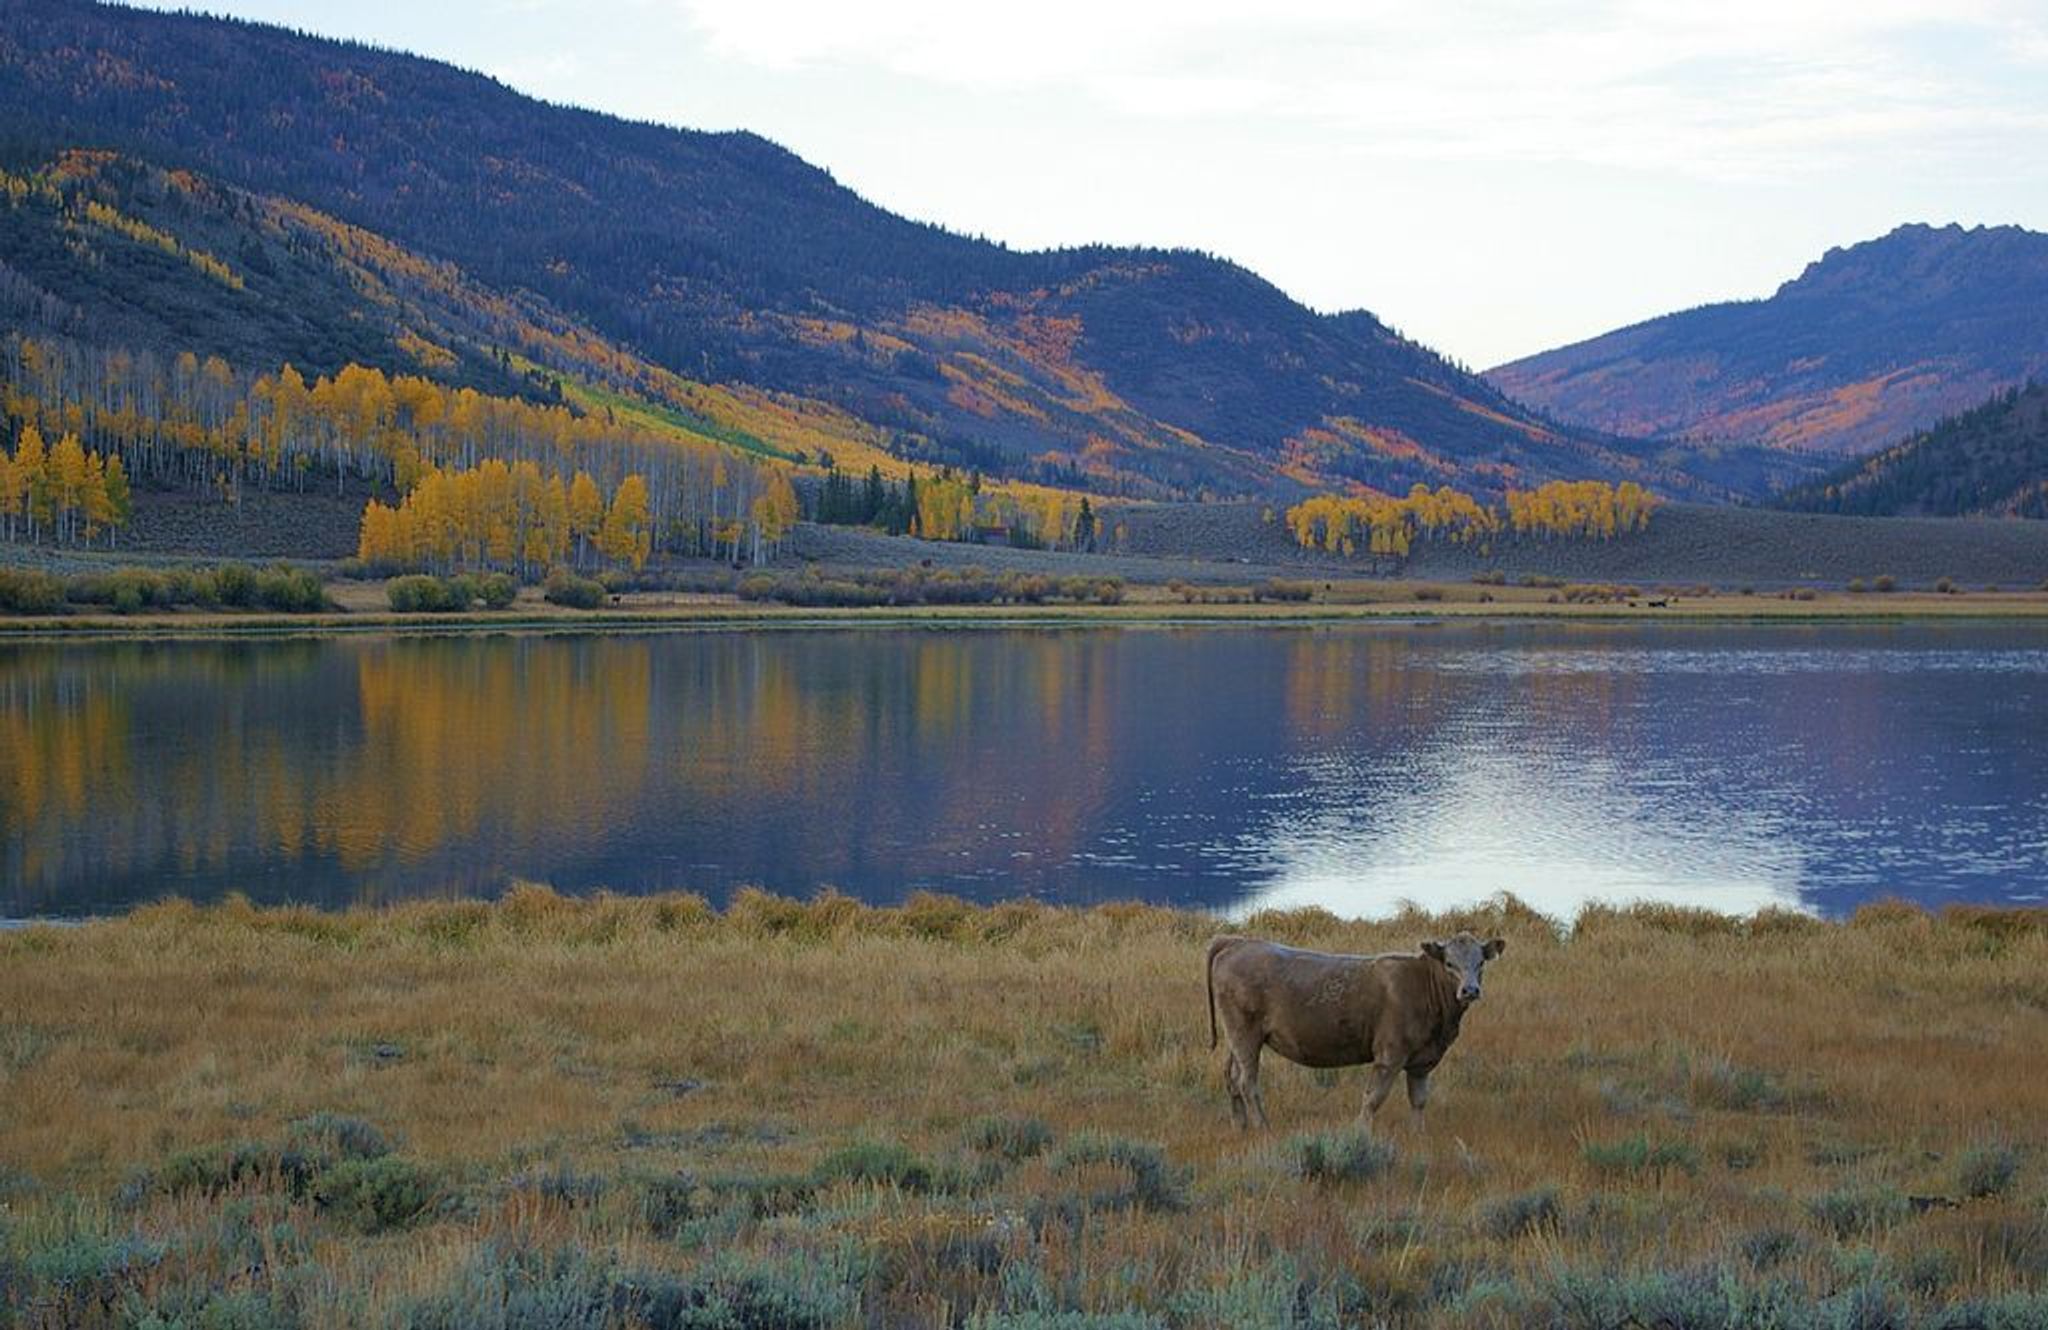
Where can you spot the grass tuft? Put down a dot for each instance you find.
(1640, 1154)
(1012, 1139)
(1138, 1174)
(1524, 1212)
(1350, 1155)
(1987, 1170)
(378, 1195)
(1852, 1212)
(874, 1162)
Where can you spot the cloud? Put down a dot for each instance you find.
(1735, 89)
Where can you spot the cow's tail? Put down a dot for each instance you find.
(1216, 945)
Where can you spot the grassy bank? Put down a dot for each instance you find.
(365, 607)
(636, 1112)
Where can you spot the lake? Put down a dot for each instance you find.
(1232, 768)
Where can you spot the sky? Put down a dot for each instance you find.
(1492, 177)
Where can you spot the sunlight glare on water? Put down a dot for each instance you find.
(1497, 817)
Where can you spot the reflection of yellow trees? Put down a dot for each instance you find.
(518, 737)
(1319, 686)
(65, 739)
(1333, 677)
(847, 730)
(1387, 680)
(747, 718)
(1077, 711)
(434, 760)
(73, 725)
(520, 742)
(943, 678)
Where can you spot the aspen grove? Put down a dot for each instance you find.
(190, 423)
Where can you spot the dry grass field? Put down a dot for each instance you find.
(553, 1112)
(364, 607)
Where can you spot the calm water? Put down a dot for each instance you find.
(1351, 767)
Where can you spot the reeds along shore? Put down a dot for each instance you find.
(555, 1112)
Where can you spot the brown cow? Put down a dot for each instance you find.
(1398, 1012)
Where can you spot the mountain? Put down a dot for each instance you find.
(1989, 462)
(1866, 345)
(720, 260)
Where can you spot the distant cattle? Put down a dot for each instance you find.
(1397, 1012)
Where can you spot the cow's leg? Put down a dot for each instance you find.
(1418, 1094)
(1379, 1083)
(1244, 1057)
(1230, 1078)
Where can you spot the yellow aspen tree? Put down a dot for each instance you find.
(13, 494)
(67, 483)
(626, 537)
(497, 511)
(773, 512)
(528, 489)
(92, 499)
(554, 536)
(373, 537)
(120, 500)
(586, 511)
(32, 460)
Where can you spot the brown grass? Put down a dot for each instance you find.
(364, 608)
(645, 1090)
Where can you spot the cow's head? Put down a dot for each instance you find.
(1465, 956)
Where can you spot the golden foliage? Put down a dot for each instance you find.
(1580, 509)
(113, 219)
(1386, 527)
(495, 515)
(66, 493)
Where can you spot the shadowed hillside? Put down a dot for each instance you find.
(1868, 344)
(1992, 461)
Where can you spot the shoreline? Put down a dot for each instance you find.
(1914, 608)
(829, 912)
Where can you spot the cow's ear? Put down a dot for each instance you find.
(1435, 949)
(1495, 947)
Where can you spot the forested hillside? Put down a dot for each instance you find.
(1991, 462)
(196, 337)
(527, 242)
(1868, 344)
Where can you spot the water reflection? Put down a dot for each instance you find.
(1349, 767)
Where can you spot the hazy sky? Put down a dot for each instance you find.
(1493, 177)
